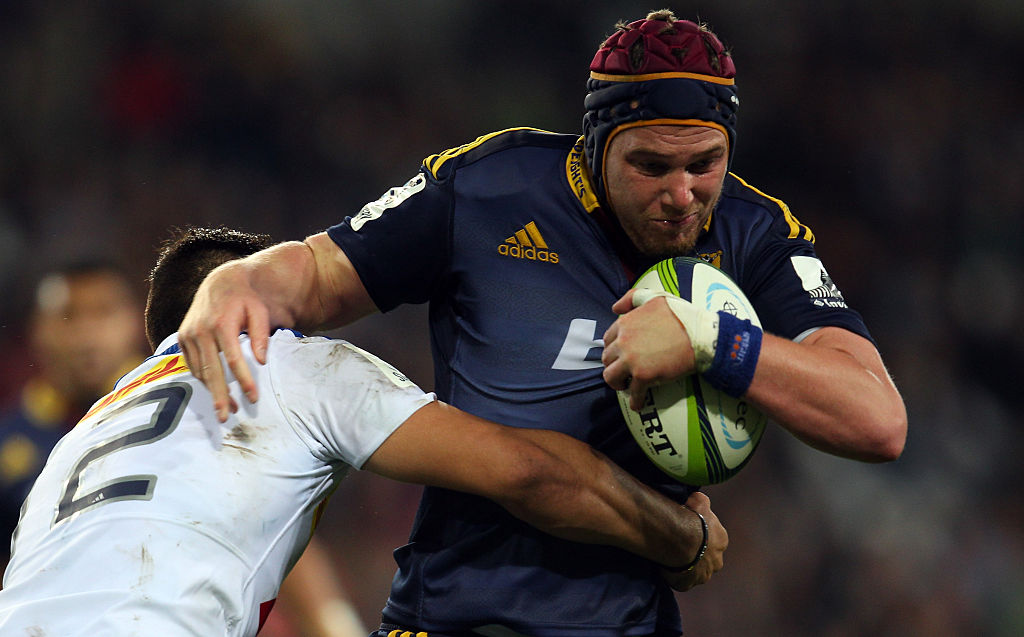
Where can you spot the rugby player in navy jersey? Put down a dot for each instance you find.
(525, 244)
(152, 518)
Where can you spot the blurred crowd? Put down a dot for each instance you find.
(895, 130)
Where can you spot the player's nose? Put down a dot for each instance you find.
(678, 190)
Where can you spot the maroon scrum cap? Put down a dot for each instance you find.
(659, 70)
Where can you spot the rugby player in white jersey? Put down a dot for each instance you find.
(152, 518)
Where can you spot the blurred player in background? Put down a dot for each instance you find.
(151, 517)
(84, 332)
(525, 243)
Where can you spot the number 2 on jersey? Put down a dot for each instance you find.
(171, 400)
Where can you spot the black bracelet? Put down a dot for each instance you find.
(700, 552)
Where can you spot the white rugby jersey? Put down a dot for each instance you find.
(152, 518)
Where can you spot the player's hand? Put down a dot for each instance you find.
(644, 347)
(224, 306)
(714, 558)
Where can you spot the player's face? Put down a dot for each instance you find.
(663, 182)
(87, 328)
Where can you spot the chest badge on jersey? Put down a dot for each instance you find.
(528, 243)
(714, 258)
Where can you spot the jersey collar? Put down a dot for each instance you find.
(578, 175)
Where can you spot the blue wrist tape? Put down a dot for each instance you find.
(736, 353)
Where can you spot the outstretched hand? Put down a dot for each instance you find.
(307, 284)
(646, 345)
(224, 306)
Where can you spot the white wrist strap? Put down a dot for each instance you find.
(700, 325)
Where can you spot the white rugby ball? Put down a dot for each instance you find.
(690, 430)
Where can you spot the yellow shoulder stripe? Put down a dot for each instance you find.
(796, 229)
(433, 163)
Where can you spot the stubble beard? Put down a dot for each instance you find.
(654, 247)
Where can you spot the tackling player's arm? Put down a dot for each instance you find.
(831, 390)
(554, 482)
(308, 285)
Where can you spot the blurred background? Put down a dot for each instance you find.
(895, 130)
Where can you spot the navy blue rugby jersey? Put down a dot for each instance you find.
(504, 238)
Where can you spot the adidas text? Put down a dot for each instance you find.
(529, 252)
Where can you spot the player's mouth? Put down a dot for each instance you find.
(677, 224)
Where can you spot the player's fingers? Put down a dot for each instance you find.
(637, 393)
(610, 335)
(616, 372)
(208, 369)
(258, 328)
(228, 342)
(188, 353)
(616, 376)
(610, 352)
(643, 295)
(698, 501)
(625, 303)
(191, 350)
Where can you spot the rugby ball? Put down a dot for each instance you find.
(690, 430)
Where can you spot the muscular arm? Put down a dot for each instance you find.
(831, 390)
(309, 285)
(554, 482)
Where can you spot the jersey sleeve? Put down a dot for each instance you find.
(792, 291)
(344, 400)
(399, 244)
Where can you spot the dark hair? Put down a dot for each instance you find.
(184, 261)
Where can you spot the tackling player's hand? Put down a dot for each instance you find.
(713, 559)
(644, 347)
(224, 306)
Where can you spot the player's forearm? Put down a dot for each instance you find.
(582, 496)
(841, 402)
(546, 478)
(307, 284)
(284, 277)
(337, 296)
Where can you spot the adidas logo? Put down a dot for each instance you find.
(528, 244)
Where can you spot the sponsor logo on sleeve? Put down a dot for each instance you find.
(817, 283)
(391, 199)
